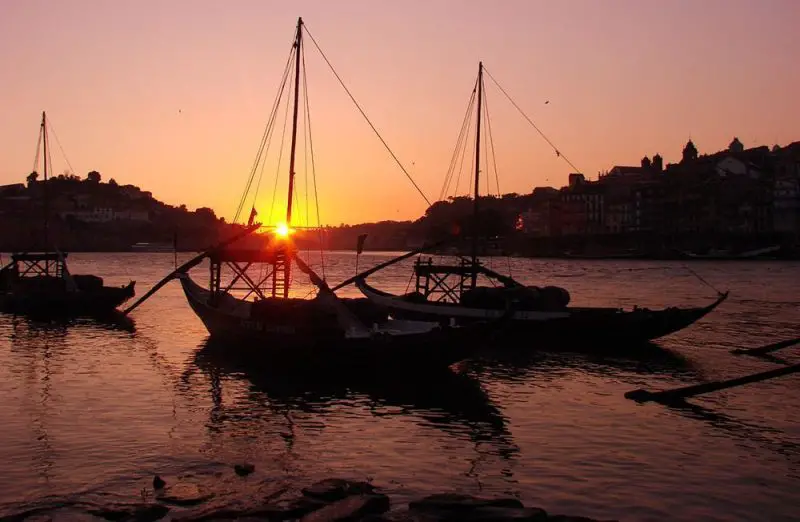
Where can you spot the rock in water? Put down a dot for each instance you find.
(131, 512)
(504, 514)
(350, 508)
(569, 518)
(453, 502)
(158, 482)
(244, 469)
(336, 489)
(184, 494)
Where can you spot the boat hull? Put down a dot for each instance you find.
(568, 326)
(293, 332)
(62, 303)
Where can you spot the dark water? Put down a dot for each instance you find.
(94, 411)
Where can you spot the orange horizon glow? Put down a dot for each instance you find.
(176, 104)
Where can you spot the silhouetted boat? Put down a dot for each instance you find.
(450, 293)
(39, 283)
(326, 330)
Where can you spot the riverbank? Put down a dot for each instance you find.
(193, 499)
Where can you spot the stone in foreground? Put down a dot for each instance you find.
(350, 508)
(334, 489)
(458, 502)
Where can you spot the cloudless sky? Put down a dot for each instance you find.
(173, 95)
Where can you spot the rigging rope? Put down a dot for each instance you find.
(701, 279)
(280, 156)
(491, 144)
(366, 118)
(265, 137)
(38, 151)
(456, 150)
(558, 153)
(53, 130)
(313, 166)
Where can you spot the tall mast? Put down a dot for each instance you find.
(45, 199)
(298, 50)
(477, 178)
(287, 262)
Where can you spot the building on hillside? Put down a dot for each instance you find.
(582, 209)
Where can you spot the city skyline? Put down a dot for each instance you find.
(180, 112)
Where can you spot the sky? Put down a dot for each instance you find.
(173, 96)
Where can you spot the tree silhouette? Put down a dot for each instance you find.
(93, 177)
(112, 182)
(32, 177)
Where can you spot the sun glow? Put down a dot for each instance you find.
(282, 230)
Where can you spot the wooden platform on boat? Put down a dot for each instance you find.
(426, 269)
(38, 256)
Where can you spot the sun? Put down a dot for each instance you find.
(282, 230)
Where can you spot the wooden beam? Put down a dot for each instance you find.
(678, 394)
(774, 347)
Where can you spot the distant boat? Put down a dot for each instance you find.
(40, 284)
(449, 293)
(152, 247)
(720, 255)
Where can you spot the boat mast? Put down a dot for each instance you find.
(298, 44)
(45, 200)
(298, 49)
(474, 273)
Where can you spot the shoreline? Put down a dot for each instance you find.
(328, 500)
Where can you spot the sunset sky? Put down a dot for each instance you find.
(173, 96)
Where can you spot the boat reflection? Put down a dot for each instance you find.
(644, 358)
(112, 321)
(452, 402)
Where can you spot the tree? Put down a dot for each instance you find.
(32, 177)
(112, 182)
(93, 177)
(736, 145)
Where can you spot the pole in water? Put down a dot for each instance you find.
(175, 248)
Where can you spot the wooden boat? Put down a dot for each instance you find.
(257, 314)
(40, 284)
(450, 293)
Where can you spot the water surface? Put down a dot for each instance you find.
(93, 410)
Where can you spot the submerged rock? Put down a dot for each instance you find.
(459, 502)
(350, 508)
(569, 518)
(244, 469)
(464, 508)
(183, 494)
(131, 512)
(336, 489)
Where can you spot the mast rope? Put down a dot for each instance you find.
(58, 142)
(280, 155)
(491, 145)
(265, 137)
(366, 118)
(558, 152)
(701, 279)
(457, 149)
(38, 152)
(313, 166)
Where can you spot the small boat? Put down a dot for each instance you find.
(449, 293)
(40, 284)
(248, 305)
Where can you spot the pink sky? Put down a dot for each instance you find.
(623, 79)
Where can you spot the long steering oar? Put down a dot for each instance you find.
(189, 265)
(766, 349)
